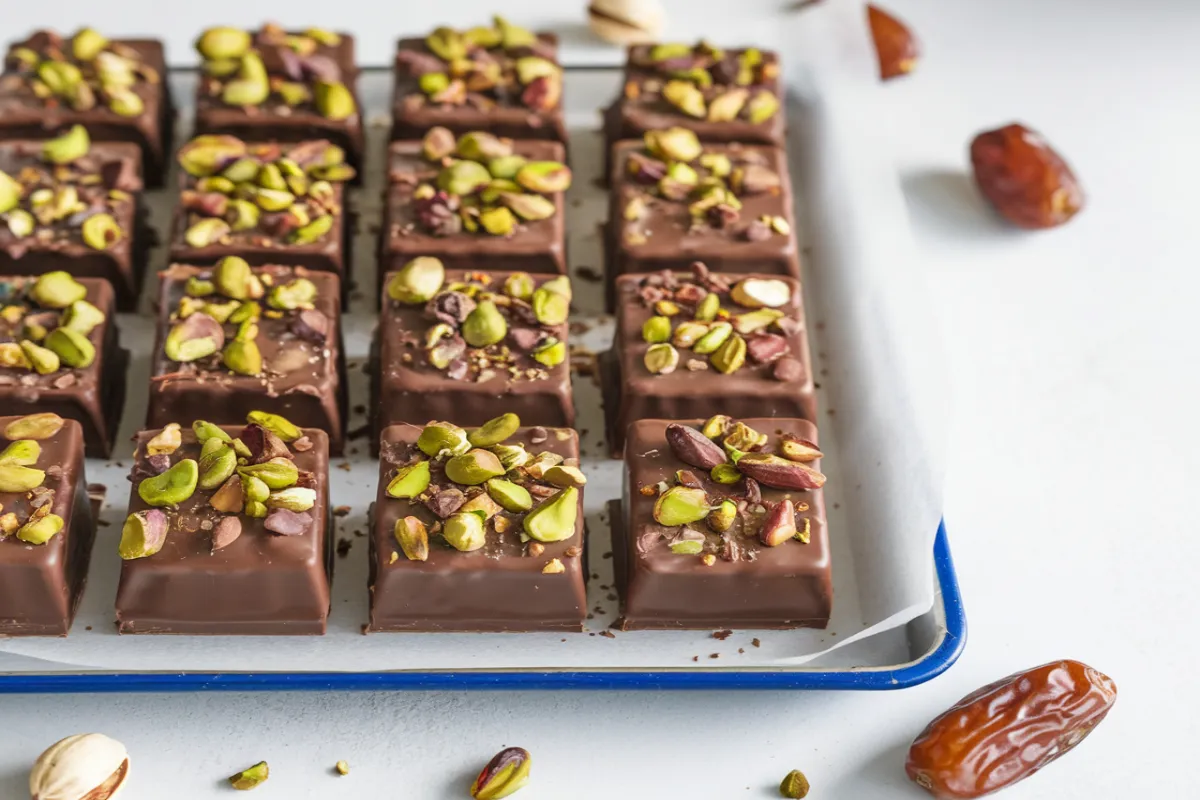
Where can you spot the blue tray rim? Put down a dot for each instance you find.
(934, 663)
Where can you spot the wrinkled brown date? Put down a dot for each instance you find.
(1023, 178)
(894, 42)
(1010, 729)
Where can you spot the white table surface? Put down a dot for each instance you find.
(1073, 359)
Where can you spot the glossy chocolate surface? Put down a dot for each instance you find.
(25, 115)
(303, 378)
(503, 114)
(105, 180)
(749, 585)
(533, 247)
(695, 389)
(93, 395)
(500, 587)
(407, 388)
(665, 236)
(41, 585)
(260, 584)
(269, 242)
(276, 120)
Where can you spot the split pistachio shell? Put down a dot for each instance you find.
(464, 532)
(171, 487)
(440, 438)
(474, 467)
(494, 431)
(410, 481)
(511, 496)
(681, 505)
(554, 520)
(34, 426)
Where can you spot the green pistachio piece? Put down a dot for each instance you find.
(278, 473)
(481, 36)
(447, 44)
(530, 68)
(721, 518)
(205, 232)
(246, 91)
(438, 142)
(295, 498)
(680, 505)
(474, 467)
(334, 101)
(34, 426)
(101, 231)
(410, 481)
(39, 530)
(762, 106)
(674, 144)
(221, 312)
(15, 478)
(464, 532)
(254, 489)
(207, 430)
(274, 199)
(20, 222)
(87, 44)
(313, 232)
(325, 37)
(463, 177)
(731, 356)
(125, 102)
(245, 214)
(498, 221)
(669, 50)
(717, 426)
(726, 106)
(72, 145)
(250, 778)
(544, 461)
(255, 509)
(550, 353)
(441, 438)
(241, 170)
(196, 337)
(195, 287)
(494, 431)
(234, 278)
(511, 496)
(550, 307)
(682, 173)
(661, 359)
(72, 347)
(143, 534)
(172, 487)
(23, 453)
(298, 293)
(687, 547)
(716, 336)
(742, 437)
(561, 285)
(507, 772)
(563, 476)
(10, 196)
(433, 82)
(485, 325)
(57, 290)
(483, 146)
(708, 308)
(725, 474)
(544, 177)
(519, 285)
(276, 424)
(62, 78)
(223, 42)
(753, 321)
(506, 167)
(554, 520)
(208, 155)
(44, 361)
(529, 207)
(413, 538)
(656, 329)
(242, 356)
(513, 36)
(718, 164)
(270, 176)
(481, 505)
(216, 466)
(293, 94)
(512, 456)
(685, 96)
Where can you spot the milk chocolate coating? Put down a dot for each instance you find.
(413, 114)
(41, 585)
(311, 393)
(415, 392)
(93, 395)
(534, 246)
(24, 115)
(123, 262)
(261, 584)
(496, 588)
(670, 241)
(788, 586)
(632, 392)
(274, 120)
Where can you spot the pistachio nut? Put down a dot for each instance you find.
(255, 489)
(721, 518)
(245, 215)
(474, 467)
(510, 496)
(687, 547)
(507, 772)
(796, 449)
(410, 481)
(554, 520)
(494, 431)
(512, 456)
(692, 447)
(101, 231)
(498, 221)
(446, 43)
(779, 525)
(172, 487)
(20, 222)
(196, 337)
(255, 509)
(243, 357)
(560, 284)
(681, 505)
(511, 38)
(549, 306)
(661, 359)
(216, 464)
(741, 436)
(562, 476)
(87, 43)
(717, 426)
(753, 321)
(485, 325)
(519, 285)
(708, 308)
(312, 232)
(482, 505)
(90, 766)
(23, 453)
(464, 531)
(674, 144)
(762, 106)
(463, 177)
(10, 197)
(61, 78)
(686, 97)
(731, 356)
(481, 36)
(293, 94)
(438, 143)
(688, 333)
(246, 91)
(44, 361)
(334, 100)
(251, 777)
(483, 146)
(442, 438)
(725, 474)
(717, 333)
(294, 498)
(506, 167)
(166, 441)
(71, 146)
(223, 42)
(34, 426)
(779, 473)
(125, 102)
(57, 289)
(418, 281)
(794, 786)
(656, 329)
(761, 293)
(413, 538)
(542, 462)
(13, 357)
(544, 177)
(529, 207)
(72, 347)
(667, 308)
(221, 312)
(207, 430)
(726, 106)
(15, 478)
(297, 293)
(272, 199)
(231, 497)
(205, 232)
(550, 353)
(718, 165)
(530, 68)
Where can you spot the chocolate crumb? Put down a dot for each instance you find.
(756, 642)
(695, 658)
(590, 274)
(722, 635)
(343, 547)
(341, 511)
(608, 634)
(344, 466)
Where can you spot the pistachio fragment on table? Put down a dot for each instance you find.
(57, 289)
(464, 531)
(143, 534)
(413, 538)
(661, 359)
(506, 773)
(494, 431)
(439, 439)
(410, 481)
(681, 505)
(250, 777)
(34, 426)
(794, 786)
(555, 519)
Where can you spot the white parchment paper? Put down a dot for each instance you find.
(881, 397)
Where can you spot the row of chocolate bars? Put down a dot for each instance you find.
(478, 527)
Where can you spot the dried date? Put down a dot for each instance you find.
(1008, 730)
(1024, 178)
(894, 43)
